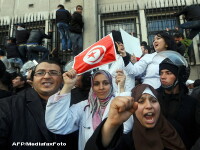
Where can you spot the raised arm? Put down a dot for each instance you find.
(60, 117)
(69, 78)
(122, 107)
(120, 80)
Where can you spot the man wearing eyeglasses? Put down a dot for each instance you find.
(22, 123)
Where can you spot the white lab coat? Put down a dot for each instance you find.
(148, 64)
(62, 119)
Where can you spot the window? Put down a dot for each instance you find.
(116, 20)
(155, 24)
(126, 24)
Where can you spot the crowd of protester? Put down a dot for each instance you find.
(145, 103)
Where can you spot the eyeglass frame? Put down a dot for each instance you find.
(49, 72)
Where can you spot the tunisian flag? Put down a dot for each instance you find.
(100, 53)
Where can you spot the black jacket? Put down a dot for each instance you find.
(181, 49)
(63, 15)
(37, 35)
(22, 119)
(4, 93)
(183, 112)
(77, 24)
(197, 145)
(21, 36)
(196, 93)
(12, 51)
(120, 141)
(191, 12)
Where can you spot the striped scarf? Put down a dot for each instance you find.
(97, 106)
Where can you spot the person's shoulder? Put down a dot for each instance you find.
(6, 103)
(189, 99)
(197, 88)
(17, 97)
(76, 14)
(159, 90)
(148, 56)
(5, 99)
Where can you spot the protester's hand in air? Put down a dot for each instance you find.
(69, 78)
(121, 108)
(120, 80)
(121, 49)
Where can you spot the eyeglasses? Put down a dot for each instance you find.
(43, 73)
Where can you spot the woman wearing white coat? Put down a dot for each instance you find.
(84, 116)
(162, 42)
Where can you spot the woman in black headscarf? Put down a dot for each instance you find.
(151, 131)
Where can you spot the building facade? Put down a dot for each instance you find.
(142, 18)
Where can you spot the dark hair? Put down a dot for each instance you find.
(22, 78)
(79, 6)
(21, 25)
(6, 79)
(178, 35)
(143, 43)
(147, 47)
(168, 39)
(196, 83)
(61, 6)
(49, 62)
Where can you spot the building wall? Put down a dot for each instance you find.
(21, 7)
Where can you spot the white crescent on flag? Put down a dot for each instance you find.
(95, 55)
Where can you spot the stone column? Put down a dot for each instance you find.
(143, 25)
(90, 16)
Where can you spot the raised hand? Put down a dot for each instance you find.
(120, 80)
(121, 49)
(69, 78)
(122, 107)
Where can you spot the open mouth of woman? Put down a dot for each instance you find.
(149, 117)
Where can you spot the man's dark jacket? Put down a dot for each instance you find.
(183, 112)
(77, 24)
(22, 119)
(191, 12)
(196, 93)
(12, 51)
(37, 35)
(63, 15)
(22, 36)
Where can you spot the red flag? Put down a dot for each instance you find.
(100, 53)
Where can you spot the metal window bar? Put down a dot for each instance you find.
(34, 22)
(119, 16)
(4, 33)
